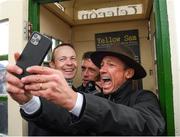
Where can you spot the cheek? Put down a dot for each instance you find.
(118, 79)
(59, 66)
(75, 64)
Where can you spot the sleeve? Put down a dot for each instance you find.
(107, 118)
(49, 116)
(31, 106)
(78, 106)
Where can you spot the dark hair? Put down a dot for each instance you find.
(87, 55)
(60, 45)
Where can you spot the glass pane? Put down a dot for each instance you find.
(2, 80)
(4, 116)
(55, 42)
(4, 38)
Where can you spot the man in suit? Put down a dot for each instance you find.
(63, 59)
(122, 110)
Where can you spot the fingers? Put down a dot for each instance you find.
(41, 70)
(40, 86)
(16, 56)
(14, 89)
(14, 69)
(40, 78)
(14, 85)
(12, 80)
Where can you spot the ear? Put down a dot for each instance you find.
(129, 73)
(51, 64)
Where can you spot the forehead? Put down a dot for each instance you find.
(113, 59)
(65, 51)
(88, 63)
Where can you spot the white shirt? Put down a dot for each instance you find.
(34, 105)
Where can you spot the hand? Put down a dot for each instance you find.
(15, 87)
(51, 85)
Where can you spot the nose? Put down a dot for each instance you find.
(69, 62)
(103, 69)
(85, 73)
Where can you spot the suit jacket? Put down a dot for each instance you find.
(125, 112)
(36, 129)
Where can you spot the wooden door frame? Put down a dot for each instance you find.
(164, 72)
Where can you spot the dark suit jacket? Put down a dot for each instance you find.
(125, 112)
(35, 129)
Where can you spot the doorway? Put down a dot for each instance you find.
(154, 37)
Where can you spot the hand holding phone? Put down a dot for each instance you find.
(34, 52)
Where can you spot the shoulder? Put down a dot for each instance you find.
(80, 88)
(145, 96)
(143, 92)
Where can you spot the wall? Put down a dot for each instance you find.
(174, 33)
(53, 26)
(83, 39)
(16, 12)
(153, 50)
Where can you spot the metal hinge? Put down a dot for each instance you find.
(27, 30)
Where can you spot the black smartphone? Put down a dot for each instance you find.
(34, 52)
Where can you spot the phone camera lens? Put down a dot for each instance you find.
(37, 40)
(35, 35)
(33, 40)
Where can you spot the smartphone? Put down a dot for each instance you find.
(34, 52)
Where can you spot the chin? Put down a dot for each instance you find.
(69, 77)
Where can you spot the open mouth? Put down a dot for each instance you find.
(106, 79)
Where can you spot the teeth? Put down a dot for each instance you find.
(69, 70)
(106, 78)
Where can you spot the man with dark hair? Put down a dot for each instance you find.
(90, 75)
(121, 111)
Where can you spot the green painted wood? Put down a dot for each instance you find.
(3, 57)
(163, 56)
(164, 64)
(34, 13)
(3, 98)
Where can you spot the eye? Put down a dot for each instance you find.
(101, 65)
(73, 58)
(61, 59)
(111, 64)
(83, 68)
(92, 70)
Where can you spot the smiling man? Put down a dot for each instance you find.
(64, 59)
(122, 110)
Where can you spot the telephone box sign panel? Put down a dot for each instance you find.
(128, 38)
